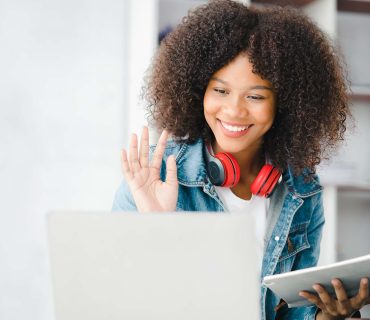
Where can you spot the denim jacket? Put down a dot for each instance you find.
(294, 223)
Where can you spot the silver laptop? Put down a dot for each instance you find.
(158, 266)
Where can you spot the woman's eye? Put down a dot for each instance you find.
(255, 97)
(220, 91)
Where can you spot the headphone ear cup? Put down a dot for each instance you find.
(266, 180)
(216, 171)
(231, 169)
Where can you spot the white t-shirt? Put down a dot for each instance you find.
(257, 206)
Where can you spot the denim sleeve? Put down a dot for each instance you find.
(308, 258)
(123, 200)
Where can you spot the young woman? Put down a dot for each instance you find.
(237, 89)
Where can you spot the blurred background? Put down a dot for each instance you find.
(70, 76)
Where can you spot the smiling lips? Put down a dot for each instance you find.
(234, 131)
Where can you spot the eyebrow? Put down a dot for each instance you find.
(261, 87)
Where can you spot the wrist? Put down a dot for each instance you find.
(324, 316)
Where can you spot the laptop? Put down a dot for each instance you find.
(154, 266)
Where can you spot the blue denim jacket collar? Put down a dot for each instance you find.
(192, 171)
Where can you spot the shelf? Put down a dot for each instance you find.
(360, 93)
(359, 190)
(295, 3)
(362, 189)
(358, 6)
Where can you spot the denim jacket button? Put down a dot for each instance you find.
(277, 238)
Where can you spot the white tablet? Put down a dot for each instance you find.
(288, 285)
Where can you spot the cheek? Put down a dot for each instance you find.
(266, 115)
(209, 105)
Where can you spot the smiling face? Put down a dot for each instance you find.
(239, 107)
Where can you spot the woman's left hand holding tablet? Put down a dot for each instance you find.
(150, 193)
(341, 306)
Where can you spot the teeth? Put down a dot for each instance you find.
(234, 128)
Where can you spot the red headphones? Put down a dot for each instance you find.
(224, 171)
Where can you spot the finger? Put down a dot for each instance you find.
(361, 298)
(312, 298)
(339, 290)
(125, 166)
(329, 303)
(144, 148)
(364, 288)
(159, 150)
(134, 161)
(344, 304)
(171, 176)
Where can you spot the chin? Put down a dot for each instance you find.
(233, 146)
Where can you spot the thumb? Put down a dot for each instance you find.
(171, 175)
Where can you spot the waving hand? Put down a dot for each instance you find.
(143, 177)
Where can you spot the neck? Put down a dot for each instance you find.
(250, 162)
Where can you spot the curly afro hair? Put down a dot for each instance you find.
(285, 47)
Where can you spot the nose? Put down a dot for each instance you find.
(235, 107)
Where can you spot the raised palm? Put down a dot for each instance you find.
(150, 193)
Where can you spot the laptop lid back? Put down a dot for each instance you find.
(161, 266)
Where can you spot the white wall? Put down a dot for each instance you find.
(324, 13)
(355, 151)
(142, 42)
(61, 129)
